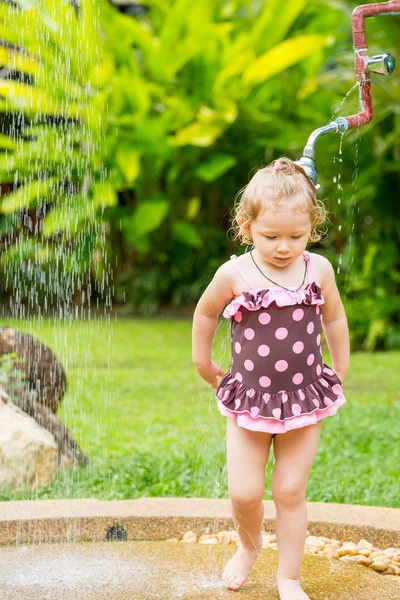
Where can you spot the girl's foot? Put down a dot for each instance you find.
(290, 589)
(238, 568)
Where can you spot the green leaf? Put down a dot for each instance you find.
(216, 166)
(104, 195)
(68, 215)
(27, 195)
(282, 56)
(12, 59)
(197, 134)
(27, 249)
(187, 234)
(7, 143)
(148, 216)
(274, 22)
(193, 208)
(128, 161)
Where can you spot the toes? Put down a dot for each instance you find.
(236, 583)
(229, 579)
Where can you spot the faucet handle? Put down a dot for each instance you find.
(383, 64)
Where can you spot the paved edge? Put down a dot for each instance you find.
(34, 521)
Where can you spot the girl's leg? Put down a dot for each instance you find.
(247, 457)
(294, 455)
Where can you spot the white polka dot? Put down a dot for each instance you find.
(302, 395)
(298, 347)
(337, 389)
(237, 403)
(310, 359)
(248, 365)
(318, 339)
(298, 314)
(310, 327)
(231, 380)
(264, 318)
(281, 333)
(316, 403)
(284, 396)
(298, 378)
(296, 409)
(238, 316)
(281, 365)
(249, 333)
(263, 350)
(324, 382)
(317, 311)
(238, 347)
(264, 381)
(276, 413)
(250, 393)
(254, 411)
(220, 392)
(238, 376)
(226, 395)
(327, 401)
(329, 371)
(319, 370)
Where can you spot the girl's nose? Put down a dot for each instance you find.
(283, 247)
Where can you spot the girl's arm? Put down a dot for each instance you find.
(334, 322)
(205, 320)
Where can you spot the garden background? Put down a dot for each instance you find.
(124, 140)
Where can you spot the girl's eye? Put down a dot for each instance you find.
(294, 237)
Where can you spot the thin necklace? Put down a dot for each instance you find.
(282, 286)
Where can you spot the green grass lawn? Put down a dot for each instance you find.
(151, 426)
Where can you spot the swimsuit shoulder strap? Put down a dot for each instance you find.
(239, 270)
(307, 258)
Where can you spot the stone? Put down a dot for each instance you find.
(28, 453)
(43, 371)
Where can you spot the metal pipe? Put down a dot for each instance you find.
(360, 13)
(362, 64)
(361, 59)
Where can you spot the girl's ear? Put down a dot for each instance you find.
(246, 230)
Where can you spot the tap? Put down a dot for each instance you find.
(364, 65)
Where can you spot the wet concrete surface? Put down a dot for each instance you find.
(166, 570)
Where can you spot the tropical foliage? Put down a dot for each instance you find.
(125, 141)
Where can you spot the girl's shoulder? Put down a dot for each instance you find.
(322, 268)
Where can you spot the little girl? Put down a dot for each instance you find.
(277, 385)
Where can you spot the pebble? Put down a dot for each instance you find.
(384, 561)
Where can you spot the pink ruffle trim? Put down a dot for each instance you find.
(263, 297)
(270, 425)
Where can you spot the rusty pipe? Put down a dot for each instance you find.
(361, 57)
(362, 64)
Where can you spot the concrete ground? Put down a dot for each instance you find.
(167, 571)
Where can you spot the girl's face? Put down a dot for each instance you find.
(281, 235)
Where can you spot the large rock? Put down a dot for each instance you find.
(36, 383)
(28, 453)
(44, 374)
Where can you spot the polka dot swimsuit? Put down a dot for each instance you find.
(277, 380)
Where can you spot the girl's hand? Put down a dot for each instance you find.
(209, 373)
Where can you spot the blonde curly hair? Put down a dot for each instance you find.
(282, 181)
